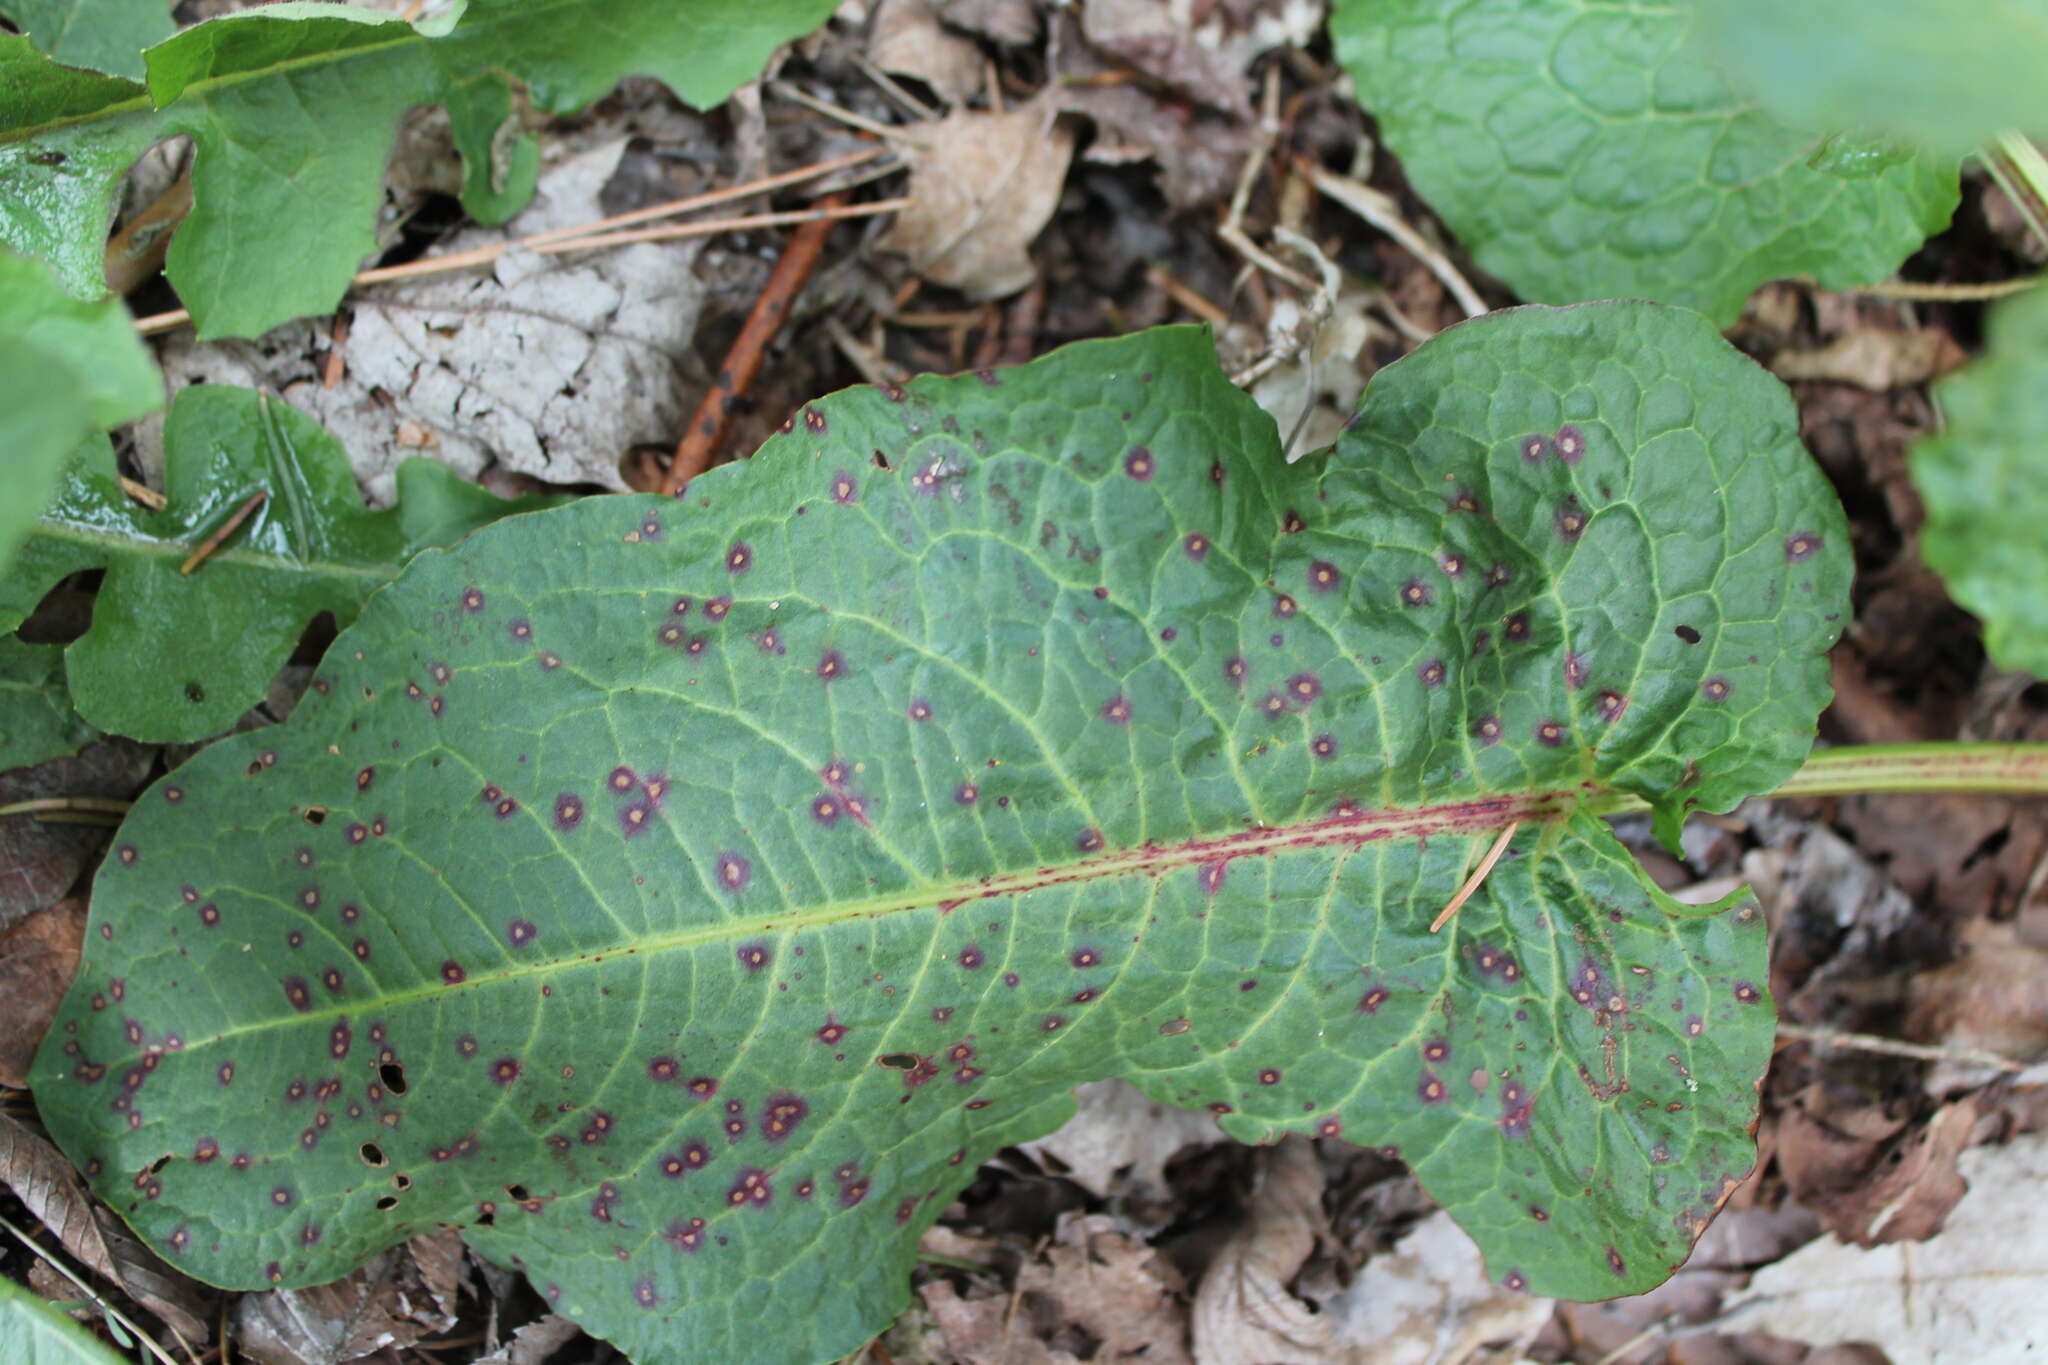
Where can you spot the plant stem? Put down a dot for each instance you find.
(1909, 769)
(2022, 172)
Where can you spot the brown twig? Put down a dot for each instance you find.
(227, 528)
(708, 425)
(144, 494)
(1477, 879)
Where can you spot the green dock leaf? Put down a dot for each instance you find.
(99, 35)
(1586, 151)
(684, 897)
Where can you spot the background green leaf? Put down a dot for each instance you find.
(293, 110)
(67, 370)
(685, 897)
(33, 1332)
(1981, 478)
(177, 657)
(1944, 76)
(36, 718)
(1585, 151)
(100, 35)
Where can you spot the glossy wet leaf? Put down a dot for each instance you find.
(1947, 76)
(1586, 151)
(68, 370)
(1981, 477)
(686, 896)
(99, 35)
(35, 1332)
(178, 657)
(293, 110)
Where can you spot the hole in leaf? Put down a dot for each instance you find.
(194, 693)
(897, 1061)
(393, 1074)
(401, 1182)
(373, 1155)
(486, 1219)
(881, 460)
(518, 1192)
(387, 1203)
(1687, 634)
(316, 815)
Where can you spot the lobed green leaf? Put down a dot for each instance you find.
(1981, 477)
(175, 657)
(99, 35)
(1585, 151)
(685, 897)
(293, 110)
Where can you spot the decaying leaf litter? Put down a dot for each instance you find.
(1888, 925)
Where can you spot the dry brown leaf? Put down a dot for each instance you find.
(982, 186)
(1149, 37)
(38, 958)
(1199, 156)
(1093, 1293)
(1013, 23)
(905, 39)
(1875, 358)
(51, 1191)
(400, 1297)
(39, 860)
(1244, 1313)
(1119, 1140)
(534, 1343)
(1992, 997)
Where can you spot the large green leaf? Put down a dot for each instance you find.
(293, 109)
(33, 1332)
(101, 35)
(177, 657)
(1945, 76)
(1981, 478)
(68, 370)
(685, 897)
(36, 719)
(1584, 151)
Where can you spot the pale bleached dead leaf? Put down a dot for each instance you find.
(49, 1188)
(982, 186)
(1119, 1140)
(400, 1297)
(1970, 1294)
(534, 1343)
(1875, 358)
(1429, 1302)
(551, 366)
(1244, 1313)
(905, 39)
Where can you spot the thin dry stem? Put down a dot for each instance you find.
(1477, 879)
(1383, 213)
(227, 528)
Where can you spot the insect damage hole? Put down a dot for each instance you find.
(897, 1061)
(316, 815)
(386, 1203)
(373, 1155)
(1687, 634)
(393, 1076)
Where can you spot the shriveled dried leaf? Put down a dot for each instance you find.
(1013, 23)
(1990, 998)
(1875, 358)
(1094, 1293)
(1119, 1140)
(1970, 1294)
(1148, 36)
(906, 39)
(399, 1298)
(1199, 156)
(534, 1343)
(38, 958)
(1243, 1310)
(50, 1190)
(982, 186)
